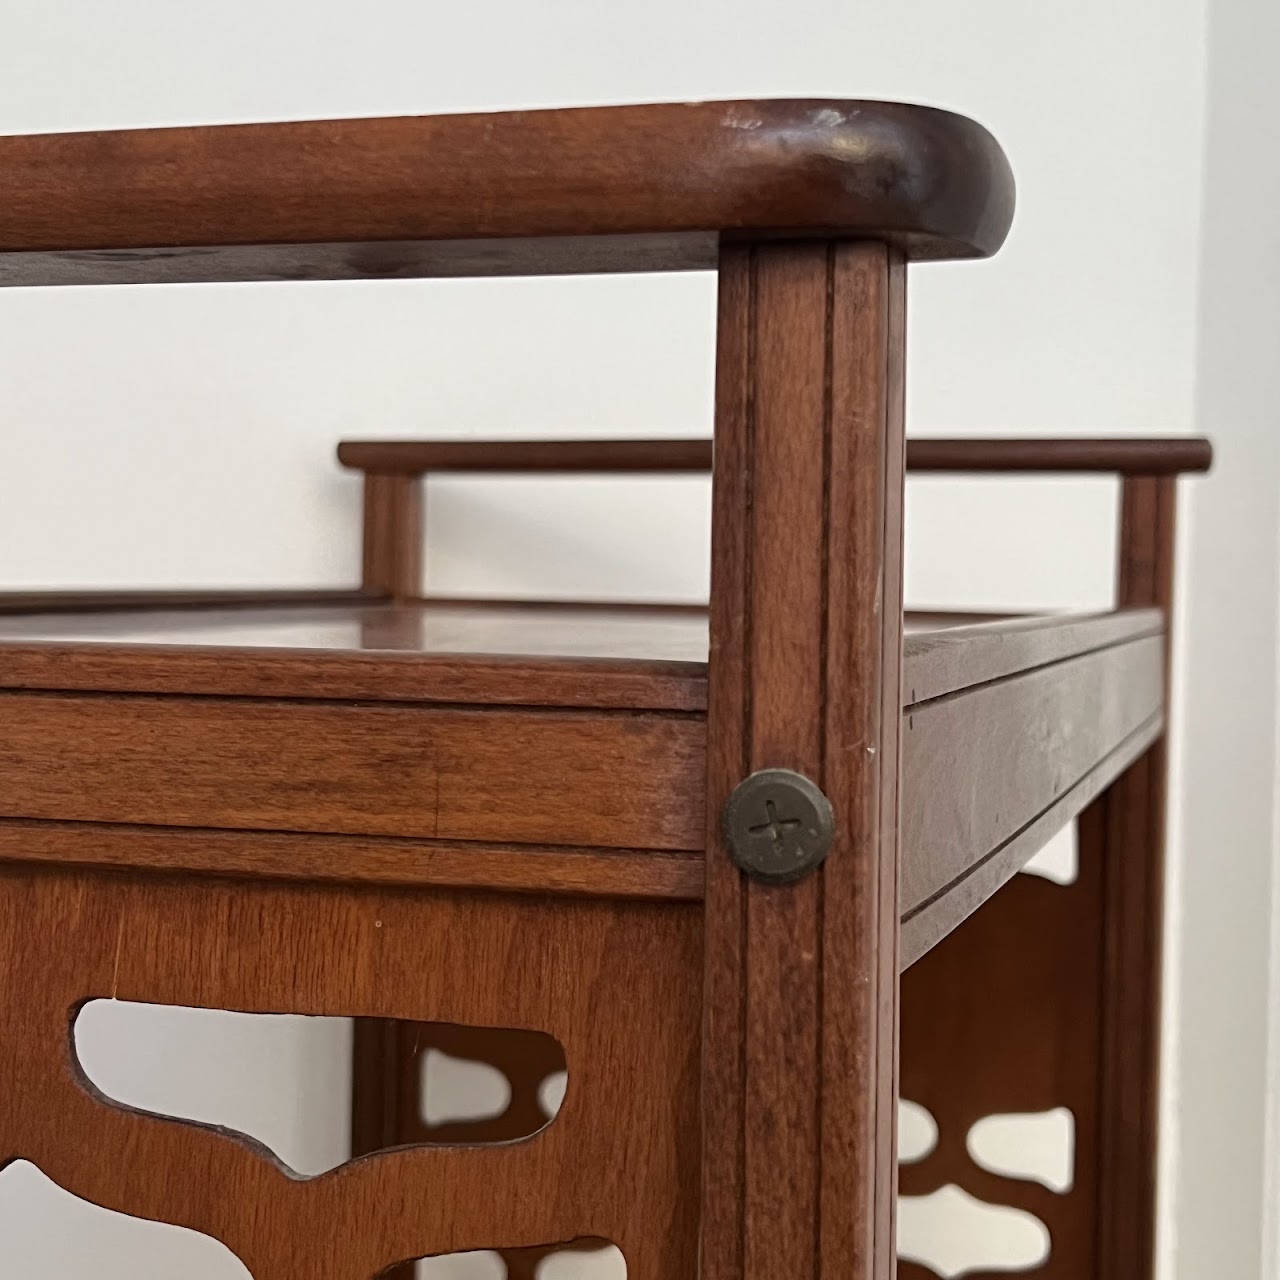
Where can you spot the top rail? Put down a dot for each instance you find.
(1129, 456)
(622, 188)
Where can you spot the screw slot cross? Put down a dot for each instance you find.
(777, 829)
(778, 825)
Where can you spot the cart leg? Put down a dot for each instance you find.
(1049, 996)
(800, 1025)
(1125, 832)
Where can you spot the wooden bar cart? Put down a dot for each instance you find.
(695, 856)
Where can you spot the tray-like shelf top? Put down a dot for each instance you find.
(456, 722)
(540, 654)
(446, 628)
(650, 187)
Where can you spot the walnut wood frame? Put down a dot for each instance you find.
(229, 828)
(952, 993)
(952, 677)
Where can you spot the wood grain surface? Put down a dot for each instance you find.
(992, 873)
(616, 985)
(987, 762)
(938, 660)
(504, 653)
(626, 684)
(799, 1031)
(96, 207)
(510, 654)
(619, 780)
(1127, 455)
(391, 551)
(338, 859)
(1011, 727)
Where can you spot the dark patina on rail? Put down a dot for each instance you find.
(627, 188)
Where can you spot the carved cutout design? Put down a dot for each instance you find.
(461, 1089)
(207, 1066)
(480, 1264)
(551, 1093)
(1039, 1146)
(50, 1234)
(589, 1258)
(509, 1061)
(1059, 859)
(614, 984)
(1000, 1020)
(604, 1261)
(199, 1065)
(537, 1080)
(917, 1131)
(957, 1235)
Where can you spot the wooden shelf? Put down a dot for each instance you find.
(423, 739)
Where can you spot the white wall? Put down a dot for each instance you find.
(1085, 321)
(1229, 722)
(185, 435)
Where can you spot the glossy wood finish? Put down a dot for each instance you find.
(395, 677)
(474, 654)
(615, 984)
(442, 796)
(954, 670)
(806, 637)
(291, 802)
(614, 779)
(1132, 455)
(234, 201)
(486, 653)
(990, 874)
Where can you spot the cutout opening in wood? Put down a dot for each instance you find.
(456, 1089)
(483, 1084)
(587, 1258)
(283, 1081)
(50, 1234)
(477, 1264)
(1037, 1146)
(917, 1131)
(955, 1234)
(551, 1093)
(1058, 860)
